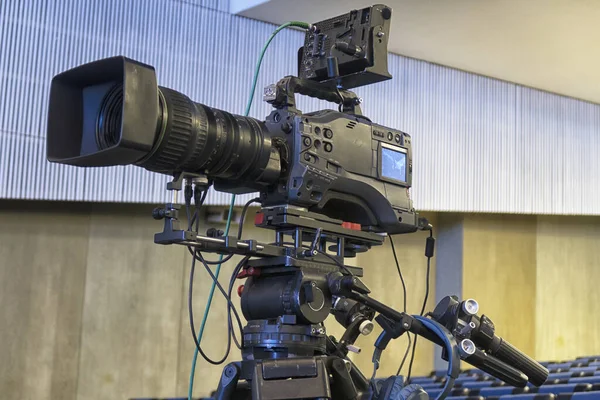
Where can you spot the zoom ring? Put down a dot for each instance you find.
(176, 146)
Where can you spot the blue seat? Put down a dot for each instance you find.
(586, 379)
(465, 398)
(428, 386)
(479, 384)
(560, 375)
(566, 365)
(439, 373)
(594, 364)
(568, 388)
(463, 379)
(423, 379)
(529, 396)
(498, 391)
(580, 396)
(588, 358)
(473, 371)
(433, 393)
(584, 369)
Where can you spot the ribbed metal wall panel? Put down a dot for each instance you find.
(480, 145)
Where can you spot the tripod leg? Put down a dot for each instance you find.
(228, 382)
(343, 385)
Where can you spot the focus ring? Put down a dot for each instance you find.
(177, 144)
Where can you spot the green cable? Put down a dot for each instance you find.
(231, 204)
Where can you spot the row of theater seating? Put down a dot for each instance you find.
(578, 379)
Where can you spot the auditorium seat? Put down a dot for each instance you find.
(424, 380)
(579, 396)
(462, 379)
(584, 369)
(465, 398)
(498, 391)
(528, 396)
(428, 386)
(455, 392)
(568, 388)
(479, 384)
(586, 379)
(560, 375)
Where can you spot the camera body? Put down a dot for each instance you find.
(339, 164)
(343, 166)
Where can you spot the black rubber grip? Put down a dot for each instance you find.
(497, 368)
(312, 89)
(536, 373)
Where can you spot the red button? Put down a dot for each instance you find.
(240, 290)
(259, 218)
(351, 225)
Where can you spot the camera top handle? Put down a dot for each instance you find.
(282, 94)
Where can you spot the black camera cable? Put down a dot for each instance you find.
(404, 307)
(193, 224)
(429, 250)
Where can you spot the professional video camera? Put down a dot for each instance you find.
(333, 181)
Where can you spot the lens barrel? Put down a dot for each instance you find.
(112, 112)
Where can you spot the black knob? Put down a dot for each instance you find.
(158, 213)
(386, 13)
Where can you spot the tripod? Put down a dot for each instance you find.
(291, 288)
(286, 353)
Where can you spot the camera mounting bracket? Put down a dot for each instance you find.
(282, 94)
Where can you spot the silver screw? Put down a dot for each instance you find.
(380, 34)
(353, 348)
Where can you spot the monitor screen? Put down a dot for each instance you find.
(393, 164)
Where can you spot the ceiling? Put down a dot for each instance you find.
(553, 45)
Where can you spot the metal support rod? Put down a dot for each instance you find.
(414, 325)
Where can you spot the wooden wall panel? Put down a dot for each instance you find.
(133, 297)
(382, 278)
(499, 271)
(43, 255)
(568, 276)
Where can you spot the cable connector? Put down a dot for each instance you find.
(424, 225)
(429, 246)
(214, 232)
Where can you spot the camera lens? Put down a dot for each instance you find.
(108, 123)
(195, 138)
